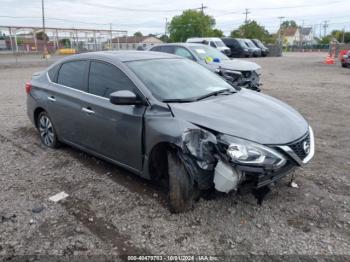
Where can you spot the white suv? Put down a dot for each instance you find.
(212, 41)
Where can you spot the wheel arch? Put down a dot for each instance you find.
(37, 112)
(157, 165)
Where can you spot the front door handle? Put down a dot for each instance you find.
(51, 98)
(88, 110)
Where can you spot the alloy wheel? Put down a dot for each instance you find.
(46, 130)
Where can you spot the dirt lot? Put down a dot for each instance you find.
(110, 211)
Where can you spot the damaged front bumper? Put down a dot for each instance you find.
(210, 163)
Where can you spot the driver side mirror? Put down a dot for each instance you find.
(125, 97)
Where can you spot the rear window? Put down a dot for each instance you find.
(167, 49)
(155, 48)
(72, 74)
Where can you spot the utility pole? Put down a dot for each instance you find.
(325, 25)
(202, 8)
(110, 33)
(246, 15)
(44, 34)
(343, 35)
(301, 34)
(280, 29)
(165, 28)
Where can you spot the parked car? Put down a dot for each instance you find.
(239, 72)
(251, 46)
(345, 60)
(166, 118)
(237, 47)
(214, 42)
(259, 44)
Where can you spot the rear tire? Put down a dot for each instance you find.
(47, 131)
(181, 188)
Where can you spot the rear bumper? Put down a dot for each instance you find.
(31, 105)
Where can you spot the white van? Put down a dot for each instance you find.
(212, 41)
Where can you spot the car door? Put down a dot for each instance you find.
(65, 97)
(114, 131)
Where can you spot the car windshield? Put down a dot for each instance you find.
(242, 43)
(219, 44)
(178, 79)
(259, 43)
(250, 43)
(205, 52)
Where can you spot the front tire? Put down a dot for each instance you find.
(47, 131)
(181, 186)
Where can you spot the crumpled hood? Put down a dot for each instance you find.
(236, 64)
(246, 114)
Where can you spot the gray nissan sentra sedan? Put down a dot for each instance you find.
(168, 119)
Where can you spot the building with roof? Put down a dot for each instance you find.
(134, 42)
(306, 36)
(298, 36)
(291, 35)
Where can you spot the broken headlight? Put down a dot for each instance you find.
(244, 152)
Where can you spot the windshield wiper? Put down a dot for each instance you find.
(187, 100)
(215, 93)
(177, 100)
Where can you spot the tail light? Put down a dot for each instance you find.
(28, 87)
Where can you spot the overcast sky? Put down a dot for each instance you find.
(149, 16)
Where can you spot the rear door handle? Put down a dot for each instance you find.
(51, 98)
(88, 110)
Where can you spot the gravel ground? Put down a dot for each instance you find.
(110, 211)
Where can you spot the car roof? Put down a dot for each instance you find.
(122, 56)
(204, 38)
(181, 44)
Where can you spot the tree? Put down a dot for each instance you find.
(41, 36)
(251, 30)
(190, 23)
(65, 42)
(164, 38)
(289, 23)
(326, 40)
(138, 34)
(339, 35)
(216, 33)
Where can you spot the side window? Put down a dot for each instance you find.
(155, 49)
(167, 49)
(53, 72)
(180, 51)
(212, 44)
(72, 74)
(105, 79)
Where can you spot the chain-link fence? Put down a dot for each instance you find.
(19, 40)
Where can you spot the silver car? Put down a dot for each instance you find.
(168, 119)
(239, 72)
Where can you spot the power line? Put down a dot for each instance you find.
(276, 8)
(121, 8)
